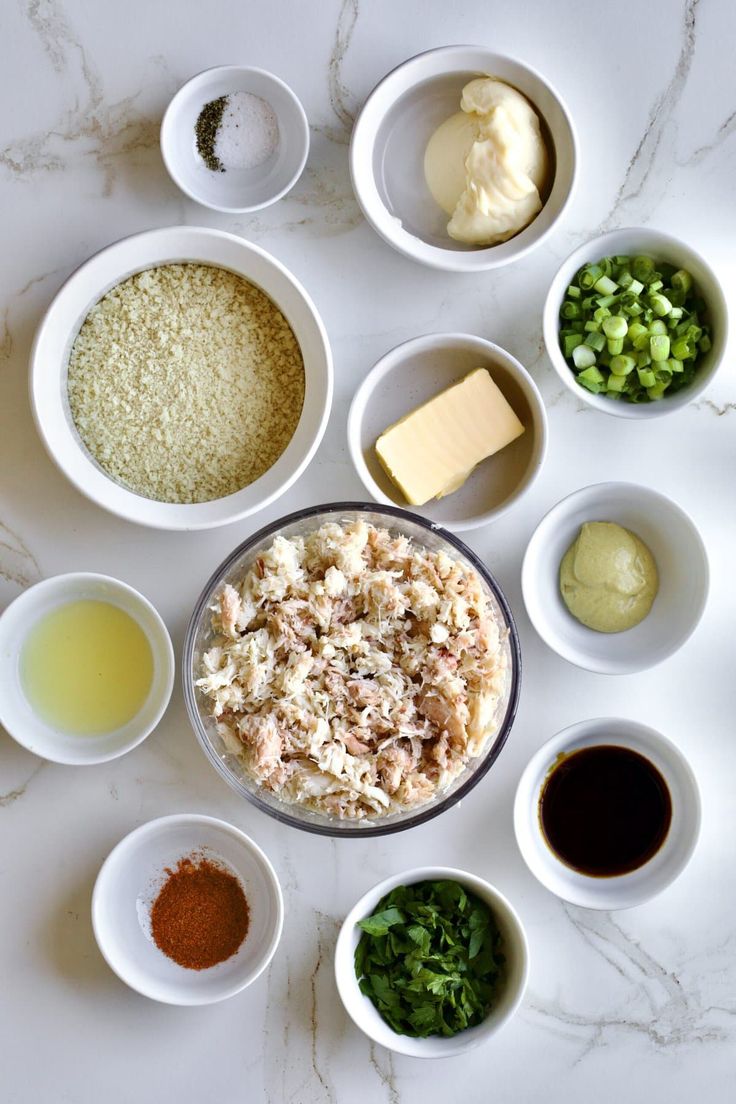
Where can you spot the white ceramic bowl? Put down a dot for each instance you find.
(662, 247)
(682, 563)
(361, 1009)
(236, 190)
(127, 886)
(60, 326)
(414, 372)
(390, 137)
(624, 890)
(16, 713)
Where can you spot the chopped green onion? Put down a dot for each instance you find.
(596, 341)
(632, 328)
(583, 356)
(615, 326)
(622, 365)
(682, 349)
(682, 280)
(588, 276)
(635, 329)
(591, 378)
(571, 341)
(642, 268)
(605, 286)
(659, 347)
(660, 304)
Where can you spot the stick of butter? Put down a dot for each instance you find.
(431, 451)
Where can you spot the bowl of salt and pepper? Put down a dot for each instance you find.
(235, 138)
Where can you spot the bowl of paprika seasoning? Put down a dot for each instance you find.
(187, 910)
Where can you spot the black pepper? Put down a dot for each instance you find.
(205, 129)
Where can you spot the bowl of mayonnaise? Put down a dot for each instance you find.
(463, 159)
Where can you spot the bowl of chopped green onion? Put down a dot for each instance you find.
(635, 323)
(431, 962)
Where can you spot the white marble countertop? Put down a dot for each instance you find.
(636, 1006)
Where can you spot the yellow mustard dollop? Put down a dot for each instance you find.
(608, 577)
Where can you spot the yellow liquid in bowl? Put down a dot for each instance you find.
(86, 668)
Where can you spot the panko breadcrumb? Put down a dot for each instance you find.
(185, 383)
(355, 672)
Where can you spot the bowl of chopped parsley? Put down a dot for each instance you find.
(431, 962)
(635, 323)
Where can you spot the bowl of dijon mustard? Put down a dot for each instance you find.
(615, 578)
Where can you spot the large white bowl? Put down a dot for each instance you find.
(61, 324)
(236, 190)
(16, 713)
(662, 247)
(390, 137)
(363, 1012)
(623, 890)
(414, 372)
(682, 563)
(128, 884)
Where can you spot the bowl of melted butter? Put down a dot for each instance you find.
(86, 668)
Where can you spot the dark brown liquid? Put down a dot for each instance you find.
(605, 810)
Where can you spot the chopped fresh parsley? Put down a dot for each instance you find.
(430, 959)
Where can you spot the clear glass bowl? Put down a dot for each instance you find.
(199, 636)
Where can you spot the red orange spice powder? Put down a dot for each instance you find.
(200, 916)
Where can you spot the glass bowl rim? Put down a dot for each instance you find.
(343, 829)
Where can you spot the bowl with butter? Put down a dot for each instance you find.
(450, 425)
(463, 159)
(615, 578)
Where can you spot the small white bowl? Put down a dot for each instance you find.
(85, 287)
(364, 1014)
(236, 190)
(17, 714)
(414, 372)
(682, 563)
(128, 884)
(390, 137)
(662, 247)
(624, 890)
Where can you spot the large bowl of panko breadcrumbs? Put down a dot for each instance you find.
(181, 378)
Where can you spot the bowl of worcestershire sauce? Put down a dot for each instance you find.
(607, 813)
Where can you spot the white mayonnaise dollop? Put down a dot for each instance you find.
(485, 166)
